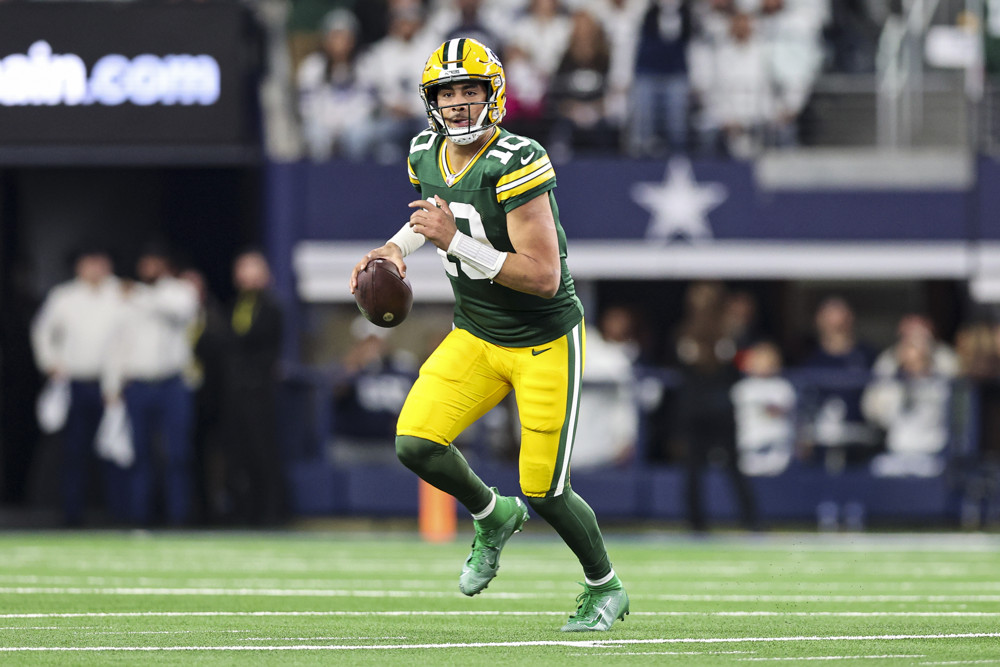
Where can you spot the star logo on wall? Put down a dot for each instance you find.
(679, 205)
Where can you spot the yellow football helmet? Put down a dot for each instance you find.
(464, 59)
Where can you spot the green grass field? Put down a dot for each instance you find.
(387, 598)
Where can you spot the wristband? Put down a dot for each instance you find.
(476, 254)
(407, 239)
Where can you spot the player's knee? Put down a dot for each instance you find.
(413, 452)
(546, 506)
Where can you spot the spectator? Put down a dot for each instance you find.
(703, 411)
(977, 345)
(543, 35)
(254, 469)
(853, 34)
(391, 66)
(838, 368)
(764, 403)
(912, 407)
(739, 324)
(72, 338)
(469, 18)
(919, 328)
(303, 25)
(368, 395)
(619, 326)
(793, 32)
(732, 81)
(578, 91)
(661, 88)
(977, 351)
(335, 105)
(608, 426)
(527, 93)
(206, 377)
(620, 20)
(151, 351)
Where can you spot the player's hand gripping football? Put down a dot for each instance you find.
(434, 220)
(389, 251)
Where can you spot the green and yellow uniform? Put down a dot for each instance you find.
(503, 339)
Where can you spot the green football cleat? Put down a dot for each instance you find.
(598, 607)
(484, 559)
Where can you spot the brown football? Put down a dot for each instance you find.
(382, 296)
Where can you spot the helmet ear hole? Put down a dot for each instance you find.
(432, 95)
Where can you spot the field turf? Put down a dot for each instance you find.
(386, 598)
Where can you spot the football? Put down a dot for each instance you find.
(382, 295)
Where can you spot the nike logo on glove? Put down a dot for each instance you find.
(535, 353)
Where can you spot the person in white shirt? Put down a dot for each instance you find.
(389, 65)
(151, 352)
(543, 34)
(764, 404)
(912, 406)
(608, 419)
(730, 76)
(71, 337)
(336, 104)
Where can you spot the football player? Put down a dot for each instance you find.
(486, 203)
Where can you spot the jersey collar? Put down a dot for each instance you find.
(449, 176)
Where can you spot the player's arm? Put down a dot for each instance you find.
(534, 265)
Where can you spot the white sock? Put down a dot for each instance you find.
(479, 516)
(603, 580)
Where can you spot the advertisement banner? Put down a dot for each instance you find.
(127, 74)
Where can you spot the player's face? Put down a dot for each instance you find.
(461, 103)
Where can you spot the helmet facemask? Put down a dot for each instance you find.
(460, 135)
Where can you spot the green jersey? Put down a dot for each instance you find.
(507, 172)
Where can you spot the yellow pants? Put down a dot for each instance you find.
(465, 377)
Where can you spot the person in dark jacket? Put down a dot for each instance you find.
(253, 467)
(661, 91)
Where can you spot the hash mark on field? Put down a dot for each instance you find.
(568, 643)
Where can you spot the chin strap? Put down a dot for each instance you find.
(467, 138)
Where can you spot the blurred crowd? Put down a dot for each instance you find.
(157, 394)
(718, 390)
(732, 396)
(839, 402)
(632, 77)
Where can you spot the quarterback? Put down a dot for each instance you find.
(486, 203)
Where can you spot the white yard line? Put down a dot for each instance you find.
(182, 614)
(457, 645)
(797, 587)
(829, 657)
(348, 593)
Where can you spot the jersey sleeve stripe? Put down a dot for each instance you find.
(526, 183)
(413, 177)
(518, 173)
